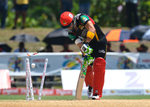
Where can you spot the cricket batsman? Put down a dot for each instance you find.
(88, 36)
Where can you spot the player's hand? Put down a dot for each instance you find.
(86, 49)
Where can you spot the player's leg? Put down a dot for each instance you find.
(89, 80)
(98, 81)
(89, 76)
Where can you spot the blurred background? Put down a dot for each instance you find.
(33, 26)
(38, 20)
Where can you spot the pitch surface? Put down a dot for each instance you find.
(76, 103)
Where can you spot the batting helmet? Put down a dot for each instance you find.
(66, 19)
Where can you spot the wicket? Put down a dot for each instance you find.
(43, 78)
(29, 86)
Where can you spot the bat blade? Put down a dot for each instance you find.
(79, 87)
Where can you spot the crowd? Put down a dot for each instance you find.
(21, 8)
(65, 48)
(123, 48)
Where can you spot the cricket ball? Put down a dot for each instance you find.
(33, 65)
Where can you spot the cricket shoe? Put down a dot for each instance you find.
(90, 91)
(95, 97)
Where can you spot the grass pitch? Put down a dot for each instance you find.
(23, 97)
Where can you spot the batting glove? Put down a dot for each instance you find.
(86, 49)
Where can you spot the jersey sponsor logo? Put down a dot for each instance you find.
(85, 19)
(101, 51)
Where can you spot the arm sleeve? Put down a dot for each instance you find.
(84, 19)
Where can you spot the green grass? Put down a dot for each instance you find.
(128, 97)
(23, 97)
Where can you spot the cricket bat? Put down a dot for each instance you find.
(80, 86)
(86, 61)
(81, 79)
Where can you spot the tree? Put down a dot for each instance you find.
(45, 13)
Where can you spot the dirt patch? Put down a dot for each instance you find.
(76, 103)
